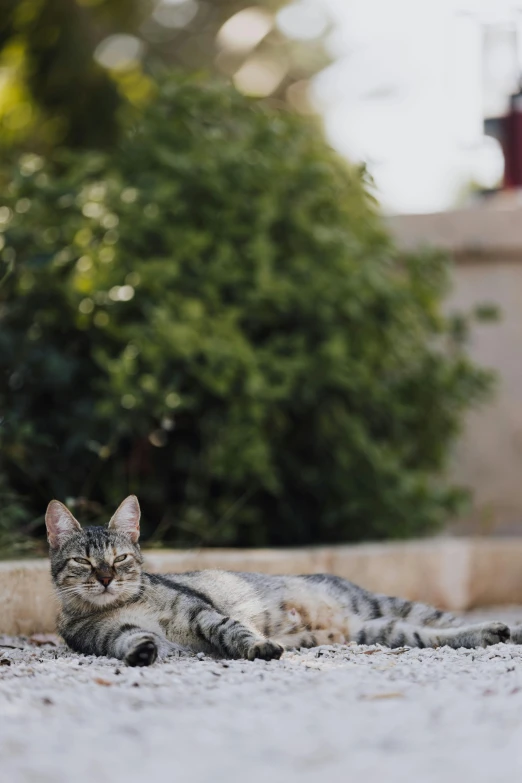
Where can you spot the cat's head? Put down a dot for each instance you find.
(95, 566)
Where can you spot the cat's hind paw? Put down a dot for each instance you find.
(266, 651)
(516, 634)
(493, 633)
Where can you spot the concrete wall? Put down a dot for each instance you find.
(455, 574)
(486, 243)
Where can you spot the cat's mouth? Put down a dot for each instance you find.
(100, 595)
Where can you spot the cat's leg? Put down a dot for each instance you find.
(115, 638)
(397, 633)
(372, 606)
(229, 637)
(416, 613)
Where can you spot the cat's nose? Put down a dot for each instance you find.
(104, 579)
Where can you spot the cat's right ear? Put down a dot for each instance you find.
(60, 524)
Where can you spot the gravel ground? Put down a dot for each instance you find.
(337, 713)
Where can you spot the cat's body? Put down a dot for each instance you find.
(110, 606)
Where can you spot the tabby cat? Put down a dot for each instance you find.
(111, 606)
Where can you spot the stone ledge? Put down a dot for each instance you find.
(455, 574)
(478, 232)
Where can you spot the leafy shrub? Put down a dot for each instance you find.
(213, 318)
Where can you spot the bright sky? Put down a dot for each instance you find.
(409, 87)
(407, 92)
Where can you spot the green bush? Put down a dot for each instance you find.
(213, 318)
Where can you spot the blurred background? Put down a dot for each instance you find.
(260, 265)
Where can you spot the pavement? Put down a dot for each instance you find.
(337, 713)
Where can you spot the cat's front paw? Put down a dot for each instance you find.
(267, 651)
(144, 653)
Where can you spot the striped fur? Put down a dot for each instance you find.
(110, 606)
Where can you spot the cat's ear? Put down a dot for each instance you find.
(127, 518)
(60, 524)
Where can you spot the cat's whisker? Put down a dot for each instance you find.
(69, 589)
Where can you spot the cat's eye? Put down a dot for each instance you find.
(120, 559)
(82, 560)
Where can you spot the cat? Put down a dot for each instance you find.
(111, 606)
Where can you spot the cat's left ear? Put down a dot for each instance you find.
(126, 519)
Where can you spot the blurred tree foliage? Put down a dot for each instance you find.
(212, 317)
(54, 91)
